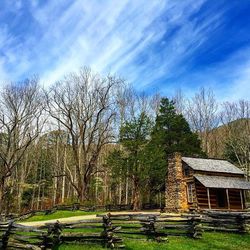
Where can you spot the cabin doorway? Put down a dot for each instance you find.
(221, 198)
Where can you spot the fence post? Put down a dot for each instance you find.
(196, 231)
(148, 227)
(54, 231)
(106, 234)
(241, 220)
(6, 235)
(151, 227)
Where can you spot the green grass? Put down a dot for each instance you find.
(57, 215)
(83, 230)
(209, 241)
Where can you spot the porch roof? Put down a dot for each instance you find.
(223, 182)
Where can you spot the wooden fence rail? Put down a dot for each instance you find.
(16, 236)
(76, 207)
(73, 207)
(238, 222)
(156, 226)
(104, 230)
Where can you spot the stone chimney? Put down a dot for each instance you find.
(176, 200)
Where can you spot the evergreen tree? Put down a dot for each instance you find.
(145, 150)
(133, 161)
(171, 133)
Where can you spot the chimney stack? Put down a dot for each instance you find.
(176, 200)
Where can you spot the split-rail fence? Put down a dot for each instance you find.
(109, 230)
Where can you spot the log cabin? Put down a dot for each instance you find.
(196, 184)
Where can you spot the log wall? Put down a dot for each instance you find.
(234, 199)
(202, 198)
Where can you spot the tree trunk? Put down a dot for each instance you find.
(33, 198)
(136, 195)
(38, 197)
(20, 194)
(126, 189)
(2, 184)
(39, 189)
(55, 179)
(84, 187)
(55, 190)
(22, 181)
(120, 191)
(80, 193)
(96, 186)
(64, 177)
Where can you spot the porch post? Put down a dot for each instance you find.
(208, 197)
(241, 199)
(228, 201)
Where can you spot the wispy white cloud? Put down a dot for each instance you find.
(146, 42)
(109, 37)
(117, 32)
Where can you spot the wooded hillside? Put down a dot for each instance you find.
(95, 140)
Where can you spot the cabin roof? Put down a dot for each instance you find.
(212, 165)
(223, 182)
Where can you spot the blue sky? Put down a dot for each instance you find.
(156, 45)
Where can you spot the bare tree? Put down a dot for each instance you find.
(83, 103)
(235, 117)
(20, 124)
(131, 105)
(179, 102)
(203, 116)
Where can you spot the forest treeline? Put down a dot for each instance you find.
(94, 139)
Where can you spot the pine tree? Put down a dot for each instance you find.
(133, 159)
(171, 133)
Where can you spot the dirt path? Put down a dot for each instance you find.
(76, 218)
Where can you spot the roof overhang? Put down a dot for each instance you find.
(223, 182)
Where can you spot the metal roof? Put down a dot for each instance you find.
(212, 165)
(223, 182)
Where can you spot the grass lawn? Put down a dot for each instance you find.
(57, 215)
(209, 241)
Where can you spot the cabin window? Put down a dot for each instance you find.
(190, 197)
(186, 171)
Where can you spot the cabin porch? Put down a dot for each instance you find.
(219, 198)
